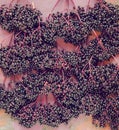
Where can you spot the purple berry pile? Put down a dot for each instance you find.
(79, 81)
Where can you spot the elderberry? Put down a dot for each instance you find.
(79, 81)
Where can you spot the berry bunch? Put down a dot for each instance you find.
(100, 17)
(19, 18)
(79, 81)
(65, 26)
(32, 38)
(15, 60)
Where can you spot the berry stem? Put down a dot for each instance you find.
(68, 5)
(113, 76)
(63, 76)
(90, 68)
(85, 67)
(32, 103)
(77, 49)
(18, 33)
(11, 40)
(37, 29)
(103, 5)
(99, 40)
(116, 60)
(46, 98)
(4, 81)
(87, 8)
(55, 5)
(73, 3)
(13, 1)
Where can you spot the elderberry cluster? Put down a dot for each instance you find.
(79, 81)
(102, 16)
(19, 18)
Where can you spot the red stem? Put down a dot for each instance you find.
(73, 3)
(4, 81)
(68, 5)
(77, 49)
(88, 6)
(18, 33)
(99, 41)
(116, 60)
(11, 3)
(85, 67)
(113, 75)
(102, 5)
(1, 45)
(46, 99)
(31, 104)
(11, 40)
(55, 5)
(90, 68)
